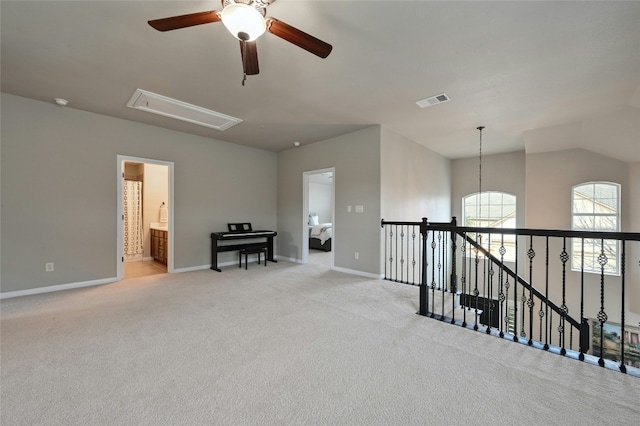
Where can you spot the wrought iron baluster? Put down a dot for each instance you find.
(402, 266)
(433, 273)
(439, 259)
(443, 280)
(386, 253)
(515, 297)
(464, 275)
(413, 251)
(582, 319)
(602, 316)
(454, 275)
(396, 253)
(476, 292)
(489, 293)
(390, 254)
(501, 294)
(623, 256)
(564, 257)
(545, 314)
(530, 303)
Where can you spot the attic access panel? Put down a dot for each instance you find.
(173, 108)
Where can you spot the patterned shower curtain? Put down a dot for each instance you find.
(133, 238)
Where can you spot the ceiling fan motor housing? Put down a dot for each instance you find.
(244, 21)
(259, 5)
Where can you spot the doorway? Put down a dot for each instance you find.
(144, 217)
(318, 245)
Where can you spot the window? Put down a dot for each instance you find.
(595, 207)
(492, 209)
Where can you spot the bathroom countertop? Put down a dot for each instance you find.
(159, 226)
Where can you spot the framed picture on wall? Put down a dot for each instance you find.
(613, 337)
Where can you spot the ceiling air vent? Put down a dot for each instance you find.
(162, 105)
(433, 100)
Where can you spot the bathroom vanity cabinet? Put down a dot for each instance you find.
(159, 245)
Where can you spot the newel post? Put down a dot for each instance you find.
(585, 337)
(424, 292)
(454, 275)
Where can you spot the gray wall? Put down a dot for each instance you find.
(416, 182)
(59, 191)
(550, 178)
(542, 183)
(500, 172)
(356, 158)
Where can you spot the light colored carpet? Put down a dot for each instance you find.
(287, 344)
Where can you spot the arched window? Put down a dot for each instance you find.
(492, 209)
(595, 207)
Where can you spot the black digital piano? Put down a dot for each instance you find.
(228, 241)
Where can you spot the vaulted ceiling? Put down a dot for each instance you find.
(539, 75)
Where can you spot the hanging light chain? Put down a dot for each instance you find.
(480, 162)
(479, 207)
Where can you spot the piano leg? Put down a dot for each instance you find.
(270, 251)
(214, 255)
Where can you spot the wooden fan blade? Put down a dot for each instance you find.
(299, 38)
(249, 52)
(184, 21)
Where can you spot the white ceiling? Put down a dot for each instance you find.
(540, 75)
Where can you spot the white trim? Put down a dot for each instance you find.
(180, 110)
(52, 288)
(119, 242)
(192, 268)
(618, 218)
(359, 273)
(305, 213)
(290, 259)
(202, 267)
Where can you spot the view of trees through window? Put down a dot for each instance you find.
(492, 209)
(595, 207)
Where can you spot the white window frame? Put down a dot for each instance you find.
(576, 255)
(495, 248)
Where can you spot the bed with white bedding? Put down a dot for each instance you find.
(320, 236)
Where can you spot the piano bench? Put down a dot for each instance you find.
(252, 250)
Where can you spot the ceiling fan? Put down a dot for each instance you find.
(246, 20)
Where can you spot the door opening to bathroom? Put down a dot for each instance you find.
(145, 217)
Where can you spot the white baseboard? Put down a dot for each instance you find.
(52, 288)
(288, 259)
(337, 269)
(191, 268)
(60, 287)
(359, 273)
(208, 266)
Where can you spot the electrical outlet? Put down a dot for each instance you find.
(357, 255)
(48, 267)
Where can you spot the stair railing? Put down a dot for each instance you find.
(557, 305)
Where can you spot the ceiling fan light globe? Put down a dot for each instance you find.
(241, 18)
